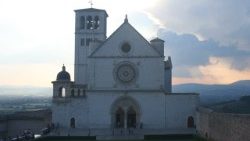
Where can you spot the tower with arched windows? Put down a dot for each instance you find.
(120, 82)
(90, 28)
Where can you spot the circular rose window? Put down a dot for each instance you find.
(125, 72)
(126, 47)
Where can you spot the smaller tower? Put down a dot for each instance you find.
(62, 85)
(158, 44)
(168, 75)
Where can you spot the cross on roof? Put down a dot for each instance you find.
(91, 3)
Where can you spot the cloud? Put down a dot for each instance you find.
(204, 37)
(225, 21)
(189, 53)
(219, 71)
(36, 32)
(42, 32)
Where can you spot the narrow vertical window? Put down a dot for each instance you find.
(62, 92)
(97, 22)
(72, 93)
(88, 41)
(82, 22)
(190, 122)
(72, 123)
(82, 42)
(79, 92)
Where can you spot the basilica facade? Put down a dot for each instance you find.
(123, 81)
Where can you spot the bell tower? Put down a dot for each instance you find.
(90, 25)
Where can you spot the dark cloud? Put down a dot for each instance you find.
(188, 52)
(226, 21)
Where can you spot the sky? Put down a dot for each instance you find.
(208, 40)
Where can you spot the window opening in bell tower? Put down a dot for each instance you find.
(96, 22)
(89, 22)
(82, 22)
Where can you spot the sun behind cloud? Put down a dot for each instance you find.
(219, 71)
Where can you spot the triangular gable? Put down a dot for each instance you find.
(140, 47)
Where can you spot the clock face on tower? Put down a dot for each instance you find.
(125, 72)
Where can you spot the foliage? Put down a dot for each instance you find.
(245, 99)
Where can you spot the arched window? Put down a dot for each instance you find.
(119, 118)
(82, 22)
(190, 122)
(62, 92)
(79, 92)
(131, 118)
(72, 123)
(72, 93)
(97, 22)
(89, 22)
(82, 42)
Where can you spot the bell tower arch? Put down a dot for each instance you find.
(90, 25)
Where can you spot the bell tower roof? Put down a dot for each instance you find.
(91, 10)
(63, 75)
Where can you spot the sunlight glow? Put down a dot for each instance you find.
(218, 71)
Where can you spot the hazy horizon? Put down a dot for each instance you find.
(34, 86)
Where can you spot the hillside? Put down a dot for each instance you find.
(212, 94)
(241, 106)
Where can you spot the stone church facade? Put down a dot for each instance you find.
(122, 81)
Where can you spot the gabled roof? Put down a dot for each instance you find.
(118, 30)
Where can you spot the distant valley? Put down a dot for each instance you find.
(31, 98)
(14, 99)
(25, 91)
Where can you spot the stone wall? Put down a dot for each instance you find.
(14, 124)
(155, 110)
(223, 126)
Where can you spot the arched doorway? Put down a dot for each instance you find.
(72, 123)
(125, 113)
(131, 118)
(190, 122)
(119, 118)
